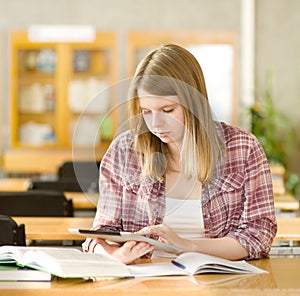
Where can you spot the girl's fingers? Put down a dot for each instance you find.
(127, 252)
(143, 231)
(154, 229)
(132, 250)
(137, 247)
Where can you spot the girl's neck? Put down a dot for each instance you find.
(174, 158)
(174, 150)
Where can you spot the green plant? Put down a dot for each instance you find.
(275, 132)
(293, 183)
(272, 128)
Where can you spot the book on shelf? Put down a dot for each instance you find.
(73, 263)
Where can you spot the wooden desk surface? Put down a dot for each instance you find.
(14, 184)
(40, 161)
(286, 202)
(82, 200)
(53, 228)
(56, 228)
(288, 229)
(282, 279)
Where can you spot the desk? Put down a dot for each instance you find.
(53, 228)
(286, 202)
(282, 279)
(83, 200)
(56, 228)
(47, 161)
(14, 184)
(288, 229)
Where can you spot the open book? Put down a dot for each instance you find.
(73, 263)
(63, 262)
(192, 263)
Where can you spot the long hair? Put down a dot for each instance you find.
(172, 70)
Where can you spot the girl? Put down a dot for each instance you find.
(179, 175)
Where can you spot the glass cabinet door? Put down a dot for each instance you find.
(54, 87)
(89, 96)
(35, 97)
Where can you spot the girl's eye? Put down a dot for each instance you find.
(168, 110)
(145, 112)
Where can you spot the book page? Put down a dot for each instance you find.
(155, 269)
(195, 263)
(67, 262)
(10, 254)
(11, 272)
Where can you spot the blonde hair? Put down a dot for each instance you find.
(172, 70)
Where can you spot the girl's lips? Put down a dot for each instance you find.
(161, 134)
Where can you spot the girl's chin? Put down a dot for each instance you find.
(167, 140)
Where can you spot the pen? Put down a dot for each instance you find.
(178, 264)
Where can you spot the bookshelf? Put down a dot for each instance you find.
(53, 96)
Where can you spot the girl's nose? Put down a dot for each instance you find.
(157, 119)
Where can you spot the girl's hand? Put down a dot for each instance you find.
(127, 252)
(166, 235)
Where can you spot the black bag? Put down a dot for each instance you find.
(10, 232)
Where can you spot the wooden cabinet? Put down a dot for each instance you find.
(60, 96)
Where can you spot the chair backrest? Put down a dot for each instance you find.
(10, 232)
(83, 169)
(62, 186)
(35, 203)
(84, 173)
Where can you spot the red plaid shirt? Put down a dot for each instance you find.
(237, 202)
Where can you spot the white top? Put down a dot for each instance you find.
(184, 216)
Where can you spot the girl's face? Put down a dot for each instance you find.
(163, 116)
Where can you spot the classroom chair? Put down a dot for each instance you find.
(57, 185)
(36, 203)
(84, 173)
(85, 170)
(78, 176)
(10, 232)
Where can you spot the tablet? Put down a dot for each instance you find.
(120, 237)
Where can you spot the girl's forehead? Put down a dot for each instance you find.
(147, 97)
